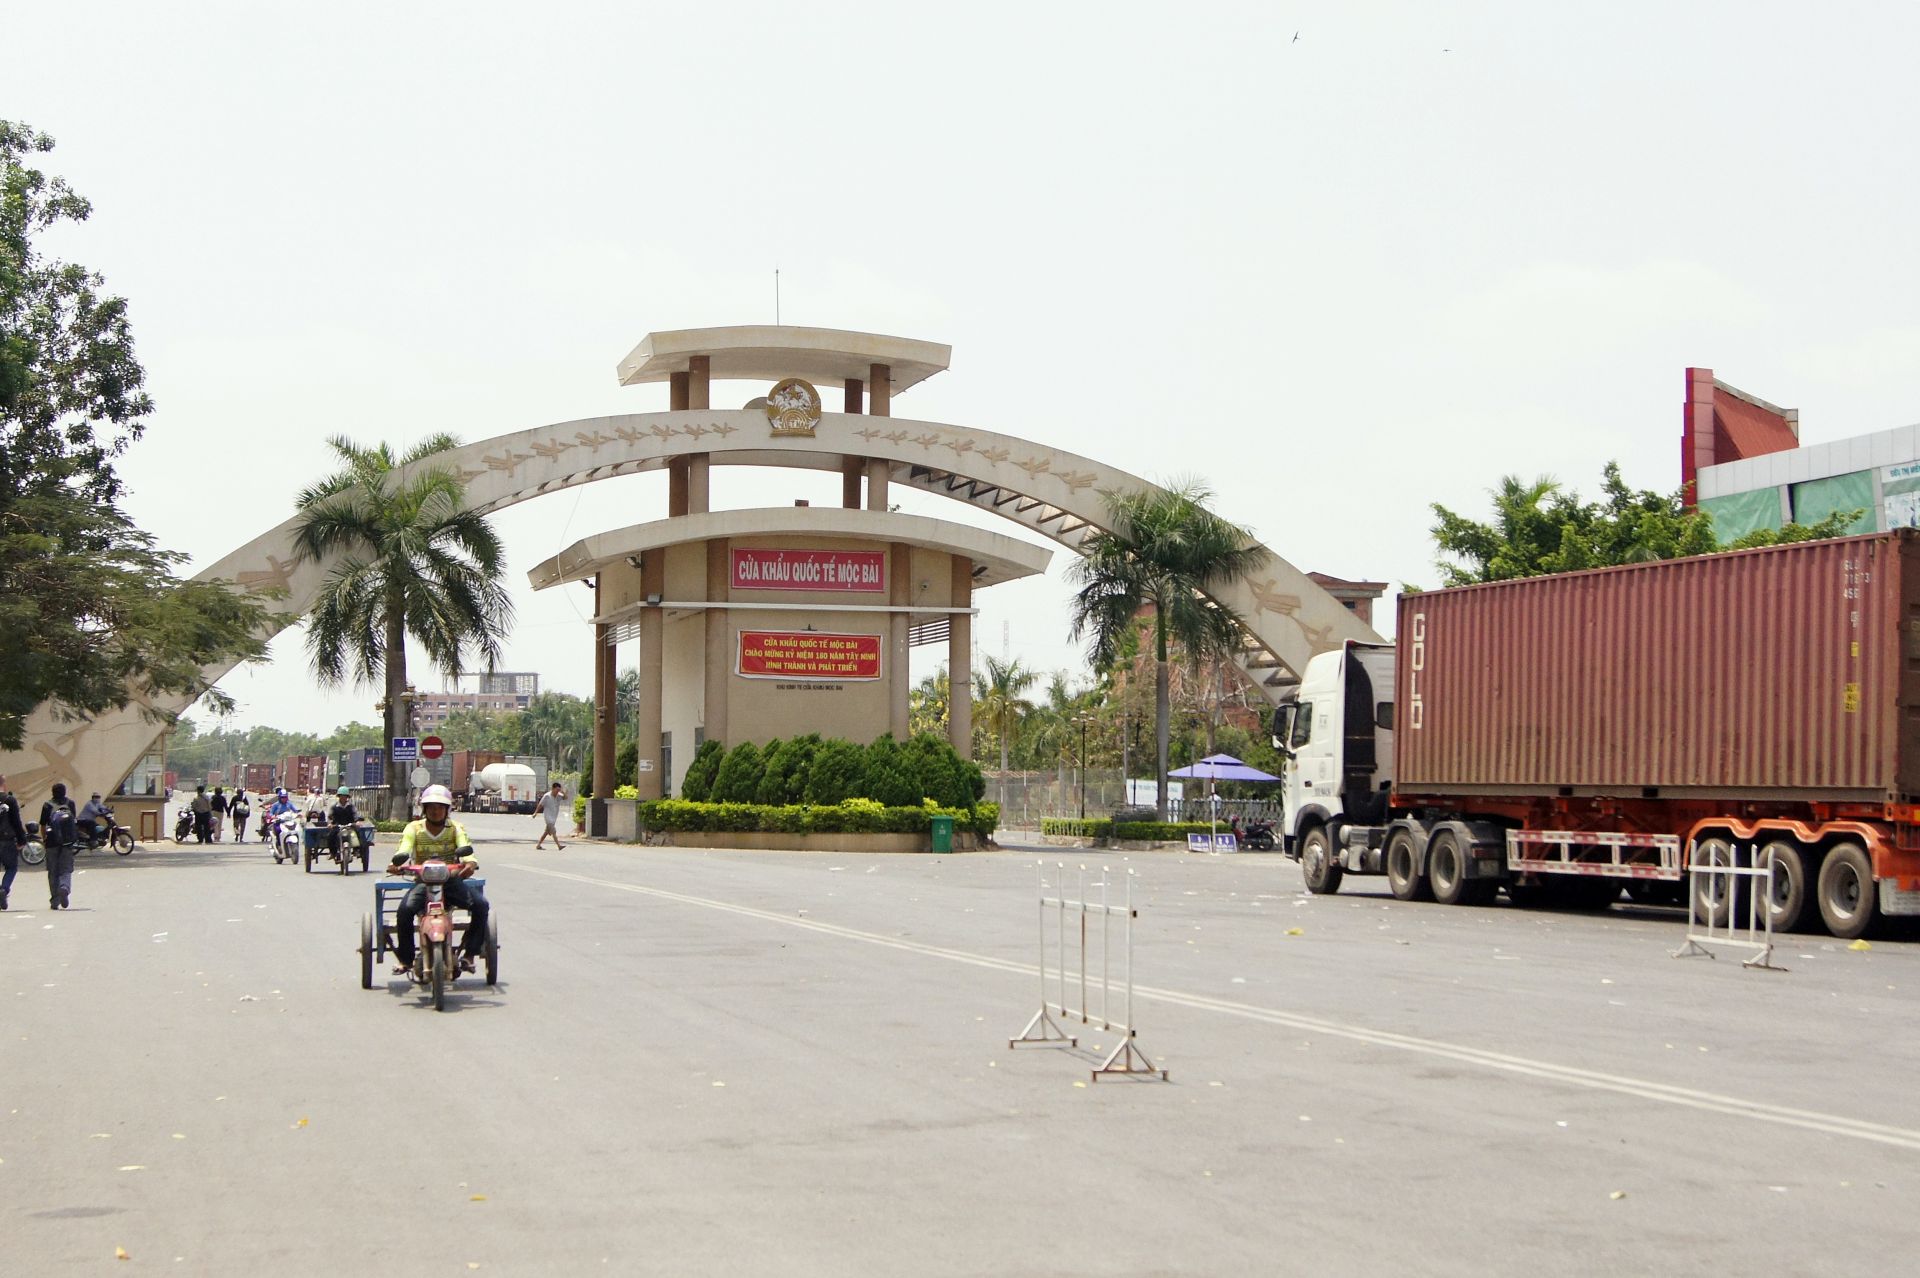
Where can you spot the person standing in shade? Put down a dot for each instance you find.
(13, 837)
(548, 808)
(202, 809)
(59, 832)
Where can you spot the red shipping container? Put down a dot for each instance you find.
(1787, 672)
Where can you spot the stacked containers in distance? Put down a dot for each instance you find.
(303, 773)
(257, 777)
(363, 767)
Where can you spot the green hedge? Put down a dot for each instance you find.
(1091, 828)
(853, 816)
(1104, 828)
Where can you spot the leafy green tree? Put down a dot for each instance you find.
(927, 703)
(1001, 707)
(1163, 550)
(93, 616)
(697, 785)
(787, 763)
(626, 762)
(559, 726)
(414, 560)
(836, 772)
(938, 771)
(482, 730)
(1540, 527)
(738, 780)
(885, 776)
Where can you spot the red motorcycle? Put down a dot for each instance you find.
(436, 962)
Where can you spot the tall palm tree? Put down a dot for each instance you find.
(997, 691)
(413, 559)
(1163, 550)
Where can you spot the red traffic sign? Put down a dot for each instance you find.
(432, 747)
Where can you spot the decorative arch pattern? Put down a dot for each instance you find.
(1046, 490)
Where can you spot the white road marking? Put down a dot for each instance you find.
(1643, 1089)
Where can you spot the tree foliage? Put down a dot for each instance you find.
(412, 559)
(1540, 527)
(93, 616)
(1163, 550)
(697, 785)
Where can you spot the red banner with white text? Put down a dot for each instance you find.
(808, 654)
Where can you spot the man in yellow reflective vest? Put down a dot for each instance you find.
(436, 838)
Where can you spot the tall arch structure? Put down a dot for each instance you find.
(1046, 490)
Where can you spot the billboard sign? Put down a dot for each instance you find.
(858, 571)
(808, 654)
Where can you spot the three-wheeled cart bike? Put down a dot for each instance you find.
(436, 962)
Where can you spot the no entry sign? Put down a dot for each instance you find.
(432, 747)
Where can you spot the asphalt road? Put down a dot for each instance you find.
(761, 1063)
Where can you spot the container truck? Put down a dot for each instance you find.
(363, 767)
(1563, 737)
(464, 766)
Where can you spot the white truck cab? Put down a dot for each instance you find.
(1336, 732)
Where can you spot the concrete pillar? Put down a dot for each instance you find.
(603, 707)
(899, 594)
(851, 468)
(719, 659)
(697, 489)
(698, 380)
(677, 391)
(877, 475)
(880, 390)
(676, 487)
(647, 719)
(960, 661)
(855, 389)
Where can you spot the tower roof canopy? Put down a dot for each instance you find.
(768, 352)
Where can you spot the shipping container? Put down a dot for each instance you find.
(256, 777)
(1561, 737)
(303, 773)
(365, 766)
(1773, 673)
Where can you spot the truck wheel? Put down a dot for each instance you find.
(1403, 872)
(1714, 895)
(1317, 866)
(1447, 870)
(1789, 903)
(1846, 891)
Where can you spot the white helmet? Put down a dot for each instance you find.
(436, 794)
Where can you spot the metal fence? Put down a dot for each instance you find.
(1033, 796)
(1729, 901)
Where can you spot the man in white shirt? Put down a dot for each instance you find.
(548, 809)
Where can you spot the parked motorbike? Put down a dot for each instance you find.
(1258, 836)
(35, 852)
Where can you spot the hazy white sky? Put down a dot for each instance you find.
(1339, 278)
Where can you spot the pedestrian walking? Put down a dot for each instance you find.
(59, 832)
(13, 837)
(219, 805)
(548, 809)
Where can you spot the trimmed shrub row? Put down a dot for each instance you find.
(1106, 828)
(852, 816)
(821, 771)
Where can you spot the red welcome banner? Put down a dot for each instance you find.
(808, 654)
(861, 570)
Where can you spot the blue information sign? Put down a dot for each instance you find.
(406, 749)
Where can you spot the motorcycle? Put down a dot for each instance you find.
(94, 836)
(1258, 836)
(183, 825)
(34, 852)
(286, 838)
(435, 964)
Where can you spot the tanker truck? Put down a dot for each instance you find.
(1563, 738)
(502, 787)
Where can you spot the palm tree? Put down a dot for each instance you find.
(411, 559)
(1163, 550)
(558, 726)
(997, 692)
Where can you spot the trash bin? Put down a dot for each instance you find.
(942, 833)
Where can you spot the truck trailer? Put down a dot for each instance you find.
(1562, 738)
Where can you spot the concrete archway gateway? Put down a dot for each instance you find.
(1288, 617)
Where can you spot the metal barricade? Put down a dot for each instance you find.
(1072, 934)
(1724, 870)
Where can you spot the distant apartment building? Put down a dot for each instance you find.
(501, 692)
